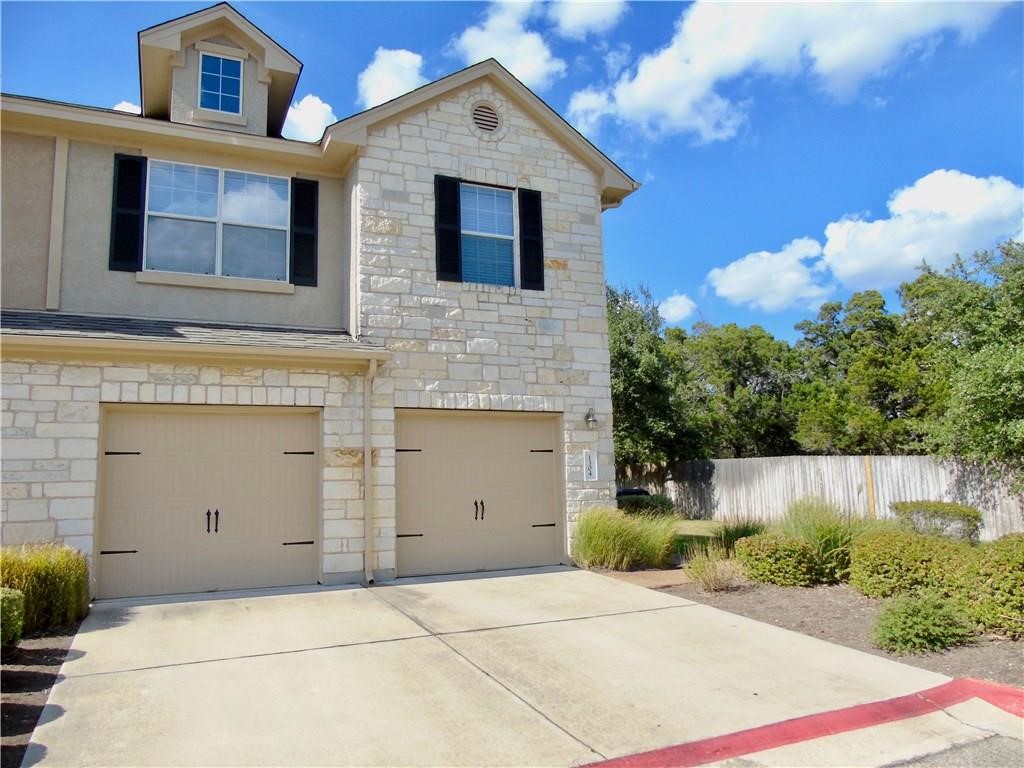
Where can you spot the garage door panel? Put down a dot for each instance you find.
(506, 463)
(231, 462)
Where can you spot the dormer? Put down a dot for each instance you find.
(216, 69)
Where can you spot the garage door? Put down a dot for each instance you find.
(209, 498)
(476, 491)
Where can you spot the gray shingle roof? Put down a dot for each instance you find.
(54, 324)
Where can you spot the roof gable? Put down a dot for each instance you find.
(616, 184)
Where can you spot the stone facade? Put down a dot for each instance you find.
(473, 346)
(51, 427)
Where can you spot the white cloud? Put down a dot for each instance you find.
(307, 119)
(503, 36)
(677, 308)
(127, 106)
(772, 280)
(390, 74)
(616, 60)
(576, 19)
(675, 89)
(587, 105)
(938, 216)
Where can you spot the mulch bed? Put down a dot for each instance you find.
(840, 614)
(28, 673)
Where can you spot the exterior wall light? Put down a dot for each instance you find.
(590, 418)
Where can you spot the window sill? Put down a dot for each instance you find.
(213, 116)
(185, 280)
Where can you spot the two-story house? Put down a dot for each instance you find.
(232, 360)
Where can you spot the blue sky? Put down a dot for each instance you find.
(790, 154)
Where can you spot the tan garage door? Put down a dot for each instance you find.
(207, 498)
(476, 491)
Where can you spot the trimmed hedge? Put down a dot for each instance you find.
(655, 504)
(920, 622)
(886, 562)
(939, 518)
(775, 558)
(12, 615)
(994, 586)
(54, 579)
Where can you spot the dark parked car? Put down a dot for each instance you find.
(623, 492)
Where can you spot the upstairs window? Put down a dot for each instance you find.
(220, 83)
(209, 221)
(488, 235)
(174, 217)
(483, 232)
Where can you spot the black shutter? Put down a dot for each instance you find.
(305, 198)
(448, 228)
(531, 241)
(128, 213)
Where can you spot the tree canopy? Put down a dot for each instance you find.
(944, 375)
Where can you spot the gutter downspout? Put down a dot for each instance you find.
(368, 553)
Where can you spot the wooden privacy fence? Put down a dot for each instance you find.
(725, 489)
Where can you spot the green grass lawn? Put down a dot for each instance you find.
(697, 527)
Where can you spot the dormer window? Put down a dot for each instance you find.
(220, 83)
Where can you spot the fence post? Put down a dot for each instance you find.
(869, 479)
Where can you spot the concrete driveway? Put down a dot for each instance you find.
(539, 667)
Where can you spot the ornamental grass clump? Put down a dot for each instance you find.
(916, 623)
(828, 533)
(731, 531)
(710, 567)
(54, 579)
(607, 538)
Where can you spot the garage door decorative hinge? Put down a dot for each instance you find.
(299, 453)
(543, 525)
(119, 551)
(408, 535)
(295, 543)
(542, 450)
(122, 453)
(408, 450)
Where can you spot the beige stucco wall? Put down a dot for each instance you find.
(26, 187)
(485, 347)
(87, 285)
(185, 94)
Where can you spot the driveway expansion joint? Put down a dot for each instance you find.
(515, 694)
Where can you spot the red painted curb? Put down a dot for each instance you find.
(815, 726)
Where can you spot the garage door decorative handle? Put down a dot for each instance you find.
(207, 521)
(216, 521)
(476, 509)
(482, 509)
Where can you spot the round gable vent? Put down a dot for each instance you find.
(485, 117)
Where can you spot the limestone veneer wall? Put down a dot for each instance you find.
(488, 347)
(51, 422)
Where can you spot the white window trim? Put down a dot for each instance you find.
(241, 84)
(514, 237)
(219, 222)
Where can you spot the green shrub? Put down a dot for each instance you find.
(994, 586)
(651, 505)
(828, 533)
(606, 538)
(885, 562)
(54, 579)
(731, 531)
(710, 567)
(925, 621)
(777, 559)
(12, 615)
(939, 518)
